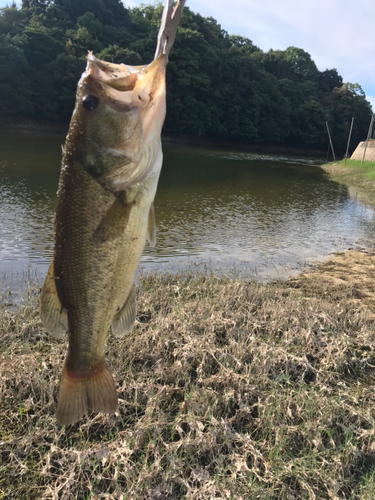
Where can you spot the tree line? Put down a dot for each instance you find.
(219, 85)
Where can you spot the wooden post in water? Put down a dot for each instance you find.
(350, 134)
(330, 141)
(368, 137)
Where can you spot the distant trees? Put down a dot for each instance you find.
(219, 85)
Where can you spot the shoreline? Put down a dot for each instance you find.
(359, 179)
(182, 140)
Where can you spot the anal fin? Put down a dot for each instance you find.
(151, 227)
(124, 320)
(54, 317)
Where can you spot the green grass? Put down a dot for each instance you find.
(367, 489)
(227, 389)
(356, 175)
(367, 168)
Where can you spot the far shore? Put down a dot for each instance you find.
(183, 140)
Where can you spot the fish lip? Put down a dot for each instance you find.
(119, 88)
(117, 76)
(111, 74)
(108, 67)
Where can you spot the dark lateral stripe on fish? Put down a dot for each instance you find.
(81, 392)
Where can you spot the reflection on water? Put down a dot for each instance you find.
(263, 215)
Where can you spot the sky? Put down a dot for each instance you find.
(336, 33)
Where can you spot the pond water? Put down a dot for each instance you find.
(264, 216)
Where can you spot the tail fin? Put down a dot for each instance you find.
(81, 392)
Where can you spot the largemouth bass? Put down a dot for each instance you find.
(110, 169)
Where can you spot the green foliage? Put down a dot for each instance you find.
(12, 21)
(343, 104)
(41, 46)
(15, 85)
(64, 71)
(301, 62)
(219, 85)
(91, 23)
(118, 55)
(355, 89)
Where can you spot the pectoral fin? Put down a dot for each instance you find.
(115, 220)
(54, 317)
(124, 320)
(151, 228)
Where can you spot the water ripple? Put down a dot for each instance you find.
(261, 214)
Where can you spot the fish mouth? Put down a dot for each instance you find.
(121, 82)
(136, 89)
(123, 87)
(118, 76)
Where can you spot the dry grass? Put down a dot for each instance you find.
(228, 390)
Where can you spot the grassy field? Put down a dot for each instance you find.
(227, 390)
(355, 175)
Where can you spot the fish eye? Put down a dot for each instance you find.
(90, 102)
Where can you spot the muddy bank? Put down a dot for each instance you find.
(349, 276)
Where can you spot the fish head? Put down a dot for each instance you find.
(116, 124)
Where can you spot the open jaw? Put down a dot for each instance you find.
(134, 86)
